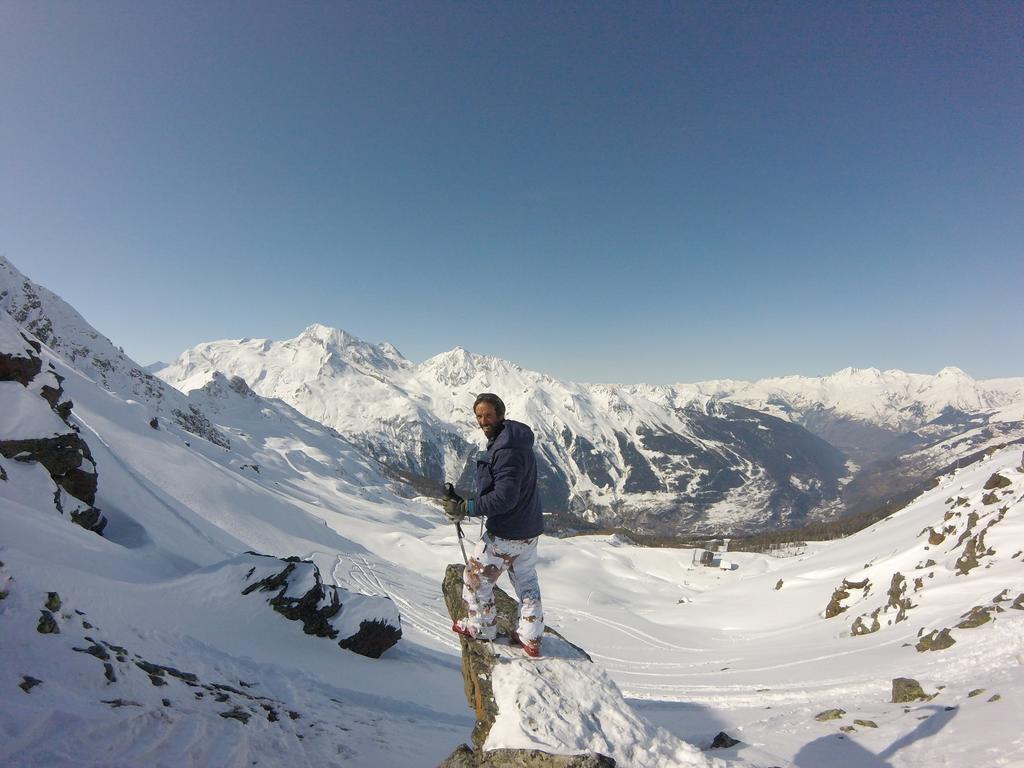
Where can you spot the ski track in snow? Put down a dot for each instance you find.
(644, 638)
(427, 623)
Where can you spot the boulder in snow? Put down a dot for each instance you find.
(368, 625)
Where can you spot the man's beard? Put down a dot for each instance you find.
(491, 431)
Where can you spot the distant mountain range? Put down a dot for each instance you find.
(717, 456)
(711, 456)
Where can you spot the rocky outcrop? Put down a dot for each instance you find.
(936, 640)
(861, 627)
(830, 714)
(193, 420)
(22, 367)
(906, 689)
(978, 615)
(723, 741)
(897, 601)
(996, 481)
(478, 664)
(54, 443)
(842, 592)
(367, 625)
(66, 457)
(464, 757)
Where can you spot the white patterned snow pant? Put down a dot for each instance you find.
(492, 557)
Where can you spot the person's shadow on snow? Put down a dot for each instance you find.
(834, 752)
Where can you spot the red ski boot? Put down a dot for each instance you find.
(532, 649)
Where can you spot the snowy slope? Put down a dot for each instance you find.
(749, 649)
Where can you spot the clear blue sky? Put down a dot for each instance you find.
(602, 191)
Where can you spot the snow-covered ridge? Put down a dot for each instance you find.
(60, 327)
(891, 399)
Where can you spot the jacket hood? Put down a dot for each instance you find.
(514, 435)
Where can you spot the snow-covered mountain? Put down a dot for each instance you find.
(644, 457)
(710, 456)
(862, 411)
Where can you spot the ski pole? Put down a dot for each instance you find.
(451, 494)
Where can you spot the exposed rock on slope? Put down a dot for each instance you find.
(976, 520)
(367, 625)
(35, 429)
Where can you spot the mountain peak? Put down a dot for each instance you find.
(326, 335)
(458, 366)
(856, 373)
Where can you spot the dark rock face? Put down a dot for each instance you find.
(640, 477)
(860, 627)
(195, 422)
(63, 457)
(723, 741)
(594, 464)
(21, 369)
(305, 608)
(320, 605)
(237, 713)
(897, 589)
(979, 615)
(372, 639)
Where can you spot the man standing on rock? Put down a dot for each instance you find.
(507, 495)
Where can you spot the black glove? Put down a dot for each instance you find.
(454, 505)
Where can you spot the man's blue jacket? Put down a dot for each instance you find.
(506, 485)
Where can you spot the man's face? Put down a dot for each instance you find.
(487, 418)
